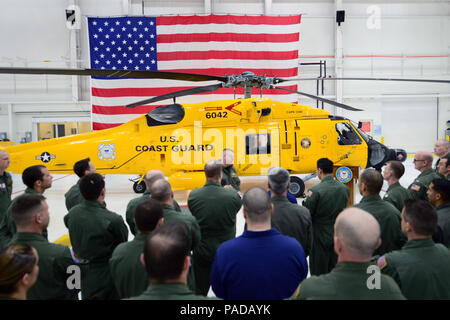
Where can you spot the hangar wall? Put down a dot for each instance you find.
(392, 38)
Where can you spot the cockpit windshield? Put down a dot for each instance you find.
(170, 114)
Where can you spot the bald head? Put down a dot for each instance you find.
(257, 205)
(425, 155)
(441, 148)
(4, 161)
(423, 160)
(358, 231)
(161, 190)
(152, 176)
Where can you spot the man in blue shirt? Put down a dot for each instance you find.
(261, 264)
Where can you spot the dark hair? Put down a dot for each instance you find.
(91, 186)
(372, 179)
(32, 174)
(213, 169)
(161, 190)
(16, 260)
(447, 157)
(24, 207)
(326, 165)
(421, 215)
(165, 251)
(257, 204)
(397, 168)
(147, 215)
(81, 166)
(442, 186)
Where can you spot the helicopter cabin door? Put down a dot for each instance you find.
(351, 148)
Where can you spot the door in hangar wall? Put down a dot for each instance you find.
(409, 124)
(47, 128)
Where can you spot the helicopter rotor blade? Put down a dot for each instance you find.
(115, 73)
(369, 79)
(334, 103)
(176, 94)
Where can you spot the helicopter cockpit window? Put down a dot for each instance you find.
(257, 143)
(347, 135)
(170, 114)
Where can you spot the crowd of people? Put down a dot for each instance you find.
(395, 247)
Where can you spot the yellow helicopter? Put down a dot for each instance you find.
(179, 138)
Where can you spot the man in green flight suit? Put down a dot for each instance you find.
(324, 201)
(31, 216)
(94, 233)
(73, 195)
(230, 179)
(166, 259)
(149, 179)
(370, 183)
(356, 235)
(6, 186)
(421, 267)
(443, 167)
(215, 209)
(162, 192)
(439, 196)
(127, 271)
(422, 162)
(395, 193)
(441, 149)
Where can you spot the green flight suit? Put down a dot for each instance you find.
(442, 233)
(94, 233)
(169, 291)
(325, 201)
(215, 209)
(420, 268)
(54, 261)
(389, 219)
(129, 215)
(73, 196)
(230, 177)
(396, 195)
(292, 220)
(418, 189)
(348, 281)
(6, 186)
(128, 273)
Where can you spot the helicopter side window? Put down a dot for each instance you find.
(257, 144)
(170, 114)
(347, 135)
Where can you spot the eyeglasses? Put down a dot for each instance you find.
(415, 160)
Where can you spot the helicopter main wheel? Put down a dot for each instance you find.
(297, 187)
(139, 187)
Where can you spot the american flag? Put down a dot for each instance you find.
(211, 44)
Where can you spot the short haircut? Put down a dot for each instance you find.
(227, 150)
(24, 208)
(147, 215)
(152, 176)
(165, 251)
(278, 179)
(213, 169)
(16, 260)
(32, 174)
(257, 204)
(91, 186)
(326, 165)
(442, 186)
(447, 157)
(372, 179)
(397, 168)
(161, 190)
(421, 215)
(81, 166)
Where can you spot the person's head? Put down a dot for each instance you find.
(4, 161)
(370, 182)
(18, 270)
(152, 176)
(161, 191)
(324, 167)
(257, 207)
(166, 253)
(444, 165)
(213, 170)
(92, 186)
(356, 235)
(439, 192)
(393, 170)
(441, 148)
(83, 167)
(419, 219)
(278, 180)
(148, 215)
(423, 160)
(227, 157)
(30, 212)
(37, 177)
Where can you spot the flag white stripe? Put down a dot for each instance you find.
(228, 45)
(229, 28)
(226, 63)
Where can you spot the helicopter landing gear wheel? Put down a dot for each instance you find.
(139, 187)
(297, 187)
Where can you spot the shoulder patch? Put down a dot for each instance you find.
(381, 262)
(309, 194)
(415, 187)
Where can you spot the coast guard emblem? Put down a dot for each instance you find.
(106, 152)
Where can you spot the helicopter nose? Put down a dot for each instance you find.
(398, 155)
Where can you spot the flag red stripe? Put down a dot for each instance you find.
(101, 125)
(224, 37)
(122, 110)
(227, 54)
(224, 19)
(289, 72)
